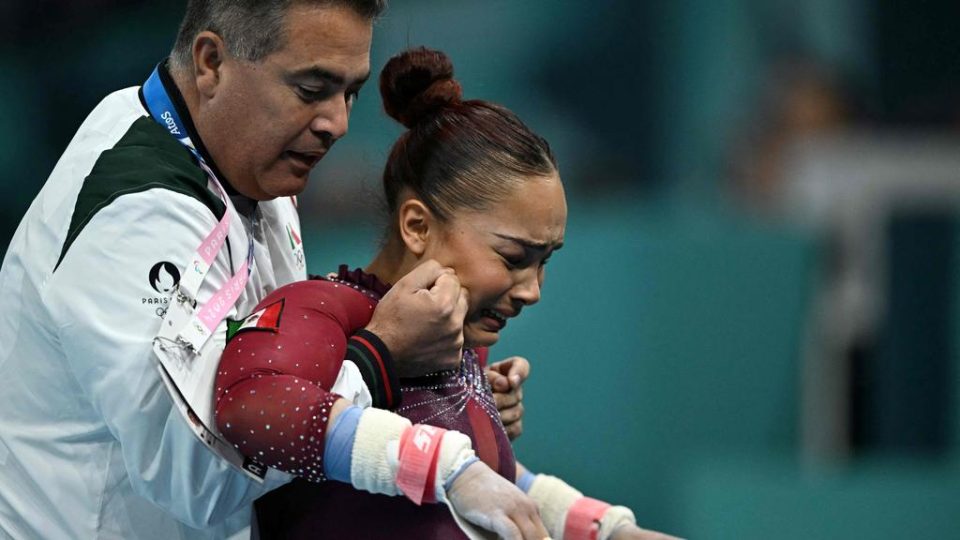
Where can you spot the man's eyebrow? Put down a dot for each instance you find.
(317, 72)
(532, 244)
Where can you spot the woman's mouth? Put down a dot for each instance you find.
(497, 318)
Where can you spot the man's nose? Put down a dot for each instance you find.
(333, 119)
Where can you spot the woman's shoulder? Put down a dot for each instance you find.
(366, 283)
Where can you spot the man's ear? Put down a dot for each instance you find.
(209, 53)
(416, 223)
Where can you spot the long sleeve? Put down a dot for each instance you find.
(99, 297)
(274, 378)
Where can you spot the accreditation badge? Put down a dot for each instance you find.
(186, 346)
(190, 377)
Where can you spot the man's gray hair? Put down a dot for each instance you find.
(251, 29)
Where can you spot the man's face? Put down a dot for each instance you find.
(269, 122)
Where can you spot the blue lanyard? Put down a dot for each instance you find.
(164, 112)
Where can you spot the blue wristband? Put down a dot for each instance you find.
(467, 463)
(526, 480)
(338, 451)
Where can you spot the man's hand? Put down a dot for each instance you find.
(488, 500)
(421, 320)
(506, 378)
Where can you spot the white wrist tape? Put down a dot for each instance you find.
(614, 517)
(376, 454)
(455, 450)
(555, 498)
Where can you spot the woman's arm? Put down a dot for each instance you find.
(568, 515)
(273, 404)
(272, 386)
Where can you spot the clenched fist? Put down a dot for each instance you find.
(421, 320)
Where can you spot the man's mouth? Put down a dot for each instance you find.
(305, 159)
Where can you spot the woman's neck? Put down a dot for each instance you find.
(392, 262)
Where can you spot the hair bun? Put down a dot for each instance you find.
(416, 84)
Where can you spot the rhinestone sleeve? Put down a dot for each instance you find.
(271, 386)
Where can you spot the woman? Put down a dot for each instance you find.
(468, 186)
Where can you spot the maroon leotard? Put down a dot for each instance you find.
(299, 342)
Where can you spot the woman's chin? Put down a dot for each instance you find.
(476, 337)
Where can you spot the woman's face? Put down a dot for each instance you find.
(499, 254)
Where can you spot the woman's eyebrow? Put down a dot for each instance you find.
(531, 244)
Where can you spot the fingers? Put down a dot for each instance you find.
(533, 529)
(515, 369)
(653, 535)
(446, 289)
(509, 397)
(512, 414)
(507, 529)
(463, 304)
(421, 320)
(524, 524)
(425, 275)
(519, 370)
(514, 430)
(488, 500)
(448, 293)
(527, 519)
(506, 399)
(498, 382)
(632, 532)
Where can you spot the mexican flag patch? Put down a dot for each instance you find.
(266, 319)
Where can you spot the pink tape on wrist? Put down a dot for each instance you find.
(419, 452)
(583, 519)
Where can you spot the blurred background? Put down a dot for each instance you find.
(753, 329)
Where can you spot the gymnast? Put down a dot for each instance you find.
(468, 187)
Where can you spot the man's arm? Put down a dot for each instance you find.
(107, 313)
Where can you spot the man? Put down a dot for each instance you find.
(255, 93)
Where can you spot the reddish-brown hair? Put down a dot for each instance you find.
(456, 154)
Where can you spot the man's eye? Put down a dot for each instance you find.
(352, 97)
(311, 93)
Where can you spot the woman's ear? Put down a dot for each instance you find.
(415, 221)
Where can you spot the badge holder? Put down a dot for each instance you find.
(188, 358)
